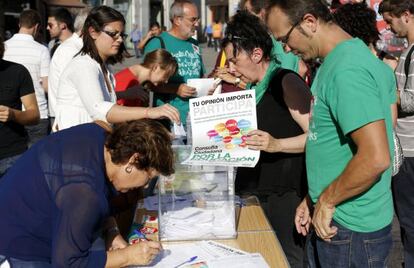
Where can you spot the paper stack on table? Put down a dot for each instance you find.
(207, 254)
(198, 223)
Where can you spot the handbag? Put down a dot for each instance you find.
(398, 155)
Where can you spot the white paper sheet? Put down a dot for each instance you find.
(202, 85)
(175, 254)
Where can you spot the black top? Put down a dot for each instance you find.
(275, 172)
(15, 82)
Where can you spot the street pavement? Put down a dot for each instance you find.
(209, 59)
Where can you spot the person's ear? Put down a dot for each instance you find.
(94, 34)
(257, 55)
(133, 159)
(310, 22)
(406, 15)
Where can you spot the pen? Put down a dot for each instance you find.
(187, 261)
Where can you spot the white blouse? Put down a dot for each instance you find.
(82, 94)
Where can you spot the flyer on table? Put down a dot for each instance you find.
(220, 124)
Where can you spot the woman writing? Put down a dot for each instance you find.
(54, 200)
(86, 88)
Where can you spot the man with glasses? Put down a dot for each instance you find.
(185, 20)
(285, 59)
(60, 27)
(349, 146)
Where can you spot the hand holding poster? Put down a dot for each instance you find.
(220, 124)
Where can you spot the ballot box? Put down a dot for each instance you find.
(196, 202)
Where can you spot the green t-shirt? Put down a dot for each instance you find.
(285, 60)
(190, 65)
(281, 59)
(352, 88)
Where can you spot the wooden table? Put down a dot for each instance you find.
(254, 234)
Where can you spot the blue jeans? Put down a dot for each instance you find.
(350, 249)
(403, 189)
(7, 163)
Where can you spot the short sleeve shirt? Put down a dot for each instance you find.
(352, 89)
(190, 65)
(15, 82)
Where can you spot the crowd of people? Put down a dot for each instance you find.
(327, 138)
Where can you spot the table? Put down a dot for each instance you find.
(255, 234)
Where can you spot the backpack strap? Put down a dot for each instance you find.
(407, 64)
(160, 39)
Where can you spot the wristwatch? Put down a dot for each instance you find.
(237, 81)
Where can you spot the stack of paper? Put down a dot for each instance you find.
(198, 223)
(207, 254)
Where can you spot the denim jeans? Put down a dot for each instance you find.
(16, 263)
(7, 163)
(38, 131)
(403, 189)
(350, 249)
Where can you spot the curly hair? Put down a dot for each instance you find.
(146, 137)
(247, 32)
(359, 21)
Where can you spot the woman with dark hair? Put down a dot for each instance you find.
(54, 202)
(132, 82)
(282, 104)
(86, 89)
(360, 21)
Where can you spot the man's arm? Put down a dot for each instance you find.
(30, 116)
(371, 159)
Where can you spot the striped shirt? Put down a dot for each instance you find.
(23, 49)
(405, 122)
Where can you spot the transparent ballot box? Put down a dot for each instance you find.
(196, 202)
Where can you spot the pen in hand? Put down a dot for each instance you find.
(187, 261)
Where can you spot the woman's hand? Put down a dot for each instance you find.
(118, 243)
(185, 91)
(225, 75)
(261, 140)
(165, 110)
(143, 253)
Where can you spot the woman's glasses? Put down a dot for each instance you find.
(116, 35)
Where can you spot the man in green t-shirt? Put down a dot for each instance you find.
(178, 41)
(349, 145)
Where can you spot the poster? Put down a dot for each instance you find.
(219, 126)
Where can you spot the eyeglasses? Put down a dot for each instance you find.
(284, 39)
(193, 20)
(116, 35)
